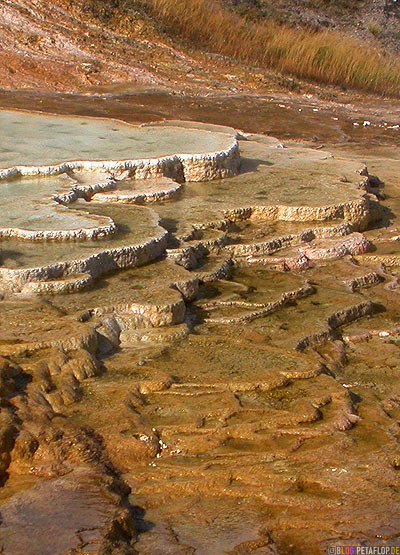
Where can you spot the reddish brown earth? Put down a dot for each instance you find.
(59, 46)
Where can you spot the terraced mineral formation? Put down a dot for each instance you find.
(194, 358)
(51, 145)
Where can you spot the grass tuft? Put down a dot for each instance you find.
(375, 29)
(321, 56)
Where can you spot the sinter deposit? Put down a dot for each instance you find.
(188, 325)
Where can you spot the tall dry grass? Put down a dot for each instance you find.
(325, 57)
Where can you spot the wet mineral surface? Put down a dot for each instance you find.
(217, 370)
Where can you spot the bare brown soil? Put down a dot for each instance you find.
(80, 46)
(54, 46)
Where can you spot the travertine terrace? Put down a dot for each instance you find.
(186, 325)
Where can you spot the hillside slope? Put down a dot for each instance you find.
(69, 46)
(78, 45)
(50, 45)
(376, 22)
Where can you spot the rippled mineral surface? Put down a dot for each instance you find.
(199, 341)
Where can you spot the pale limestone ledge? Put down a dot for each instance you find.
(335, 321)
(187, 255)
(144, 315)
(361, 282)
(180, 167)
(73, 337)
(105, 225)
(69, 284)
(267, 308)
(84, 191)
(14, 279)
(103, 191)
(150, 191)
(168, 310)
(59, 235)
(278, 243)
(356, 212)
(172, 311)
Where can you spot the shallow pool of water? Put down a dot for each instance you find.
(31, 139)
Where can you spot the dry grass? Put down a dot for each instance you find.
(324, 57)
